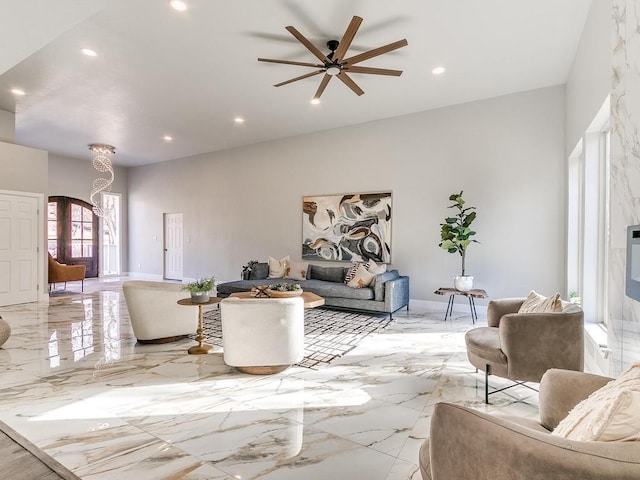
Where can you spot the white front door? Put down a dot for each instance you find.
(173, 246)
(18, 249)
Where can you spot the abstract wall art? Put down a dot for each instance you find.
(350, 227)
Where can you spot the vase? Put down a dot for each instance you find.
(200, 297)
(464, 283)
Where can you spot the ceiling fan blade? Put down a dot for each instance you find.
(310, 46)
(375, 52)
(347, 38)
(375, 71)
(301, 77)
(323, 84)
(346, 79)
(287, 62)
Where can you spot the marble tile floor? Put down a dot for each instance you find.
(76, 384)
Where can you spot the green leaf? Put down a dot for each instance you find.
(451, 220)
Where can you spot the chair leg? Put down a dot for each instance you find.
(487, 372)
(82, 288)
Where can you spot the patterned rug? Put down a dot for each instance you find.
(328, 334)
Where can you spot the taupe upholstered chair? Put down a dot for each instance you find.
(523, 346)
(465, 443)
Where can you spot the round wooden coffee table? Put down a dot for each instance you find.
(311, 300)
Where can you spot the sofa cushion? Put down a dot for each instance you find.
(278, 268)
(376, 268)
(611, 413)
(536, 303)
(362, 278)
(336, 289)
(484, 342)
(329, 274)
(297, 270)
(260, 271)
(378, 283)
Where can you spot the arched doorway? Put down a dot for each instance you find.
(72, 233)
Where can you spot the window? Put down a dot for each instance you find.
(81, 231)
(52, 229)
(588, 218)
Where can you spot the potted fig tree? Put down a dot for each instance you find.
(456, 235)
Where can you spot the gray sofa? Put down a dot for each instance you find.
(388, 292)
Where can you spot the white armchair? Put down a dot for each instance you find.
(262, 335)
(155, 314)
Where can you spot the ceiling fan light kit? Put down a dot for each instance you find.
(335, 64)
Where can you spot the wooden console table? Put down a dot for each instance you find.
(471, 294)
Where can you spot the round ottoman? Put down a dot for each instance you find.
(5, 331)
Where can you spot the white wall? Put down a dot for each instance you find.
(24, 169)
(7, 126)
(71, 177)
(505, 153)
(589, 80)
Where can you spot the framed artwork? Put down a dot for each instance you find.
(350, 227)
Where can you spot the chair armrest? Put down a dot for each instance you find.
(467, 444)
(498, 308)
(561, 390)
(536, 342)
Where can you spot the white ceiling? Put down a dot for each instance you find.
(189, 74)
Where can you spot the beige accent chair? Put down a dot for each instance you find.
(468, 444)
(262, 335)
(60, 272)
(523, 346)
(155, 314)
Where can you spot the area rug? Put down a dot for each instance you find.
(328, 334)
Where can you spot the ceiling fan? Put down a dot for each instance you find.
(335, 64)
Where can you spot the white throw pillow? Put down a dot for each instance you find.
(375, 269)
(611, 413)
(362, 278)
(536, 303)
(278, 268)
(297, 270)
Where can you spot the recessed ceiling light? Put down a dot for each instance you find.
(167, 138)
(17, 91)
(178, 5)
(238, 120)
(88, 52)
(438, 70)
(315, 101)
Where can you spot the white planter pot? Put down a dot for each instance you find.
(464, 283)
(200, 297)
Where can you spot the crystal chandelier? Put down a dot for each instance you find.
(101, 158)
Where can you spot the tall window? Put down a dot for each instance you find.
(588, 218)
(111, 234)
(81, 231)
(52, 229)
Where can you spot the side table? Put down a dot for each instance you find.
(471, 294)
(201, 348)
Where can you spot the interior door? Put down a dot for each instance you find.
(18, 249)
(173, 246)
(73, 233)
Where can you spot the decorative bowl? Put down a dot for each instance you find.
(279, 294)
